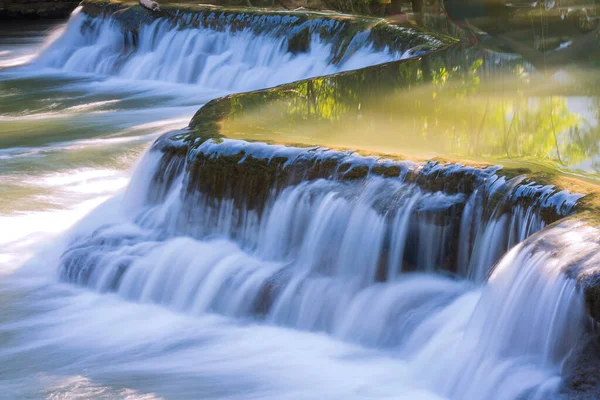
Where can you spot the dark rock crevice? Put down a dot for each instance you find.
(582, 380)
(36, 9)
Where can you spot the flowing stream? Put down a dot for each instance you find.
(121, 281)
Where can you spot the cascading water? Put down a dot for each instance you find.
(226, 60)
(403, 226)
(98, 92)
(327, 255)
(227, 269)
(512, 220)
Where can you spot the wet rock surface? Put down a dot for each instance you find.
(299, 42)
(583, 379)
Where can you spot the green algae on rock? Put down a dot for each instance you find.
(438, 104)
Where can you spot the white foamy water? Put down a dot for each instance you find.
(221, 308)
(232, 61)
(120, 297)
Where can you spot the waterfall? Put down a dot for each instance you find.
(286, 246)
(224, 57)
(530, 314)
(332, 255)
(515, 217)
(242, 266)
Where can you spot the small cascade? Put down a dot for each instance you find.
(224, 51)
(526, 323)
(328, 245)
(282, 226)
(503, 213)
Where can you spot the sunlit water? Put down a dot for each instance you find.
(72, 129)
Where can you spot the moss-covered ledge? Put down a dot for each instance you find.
(249, 173)
(362, 163)
(439, 106)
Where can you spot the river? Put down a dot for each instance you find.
(78, 113)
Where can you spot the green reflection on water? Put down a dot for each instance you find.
(460, 103)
